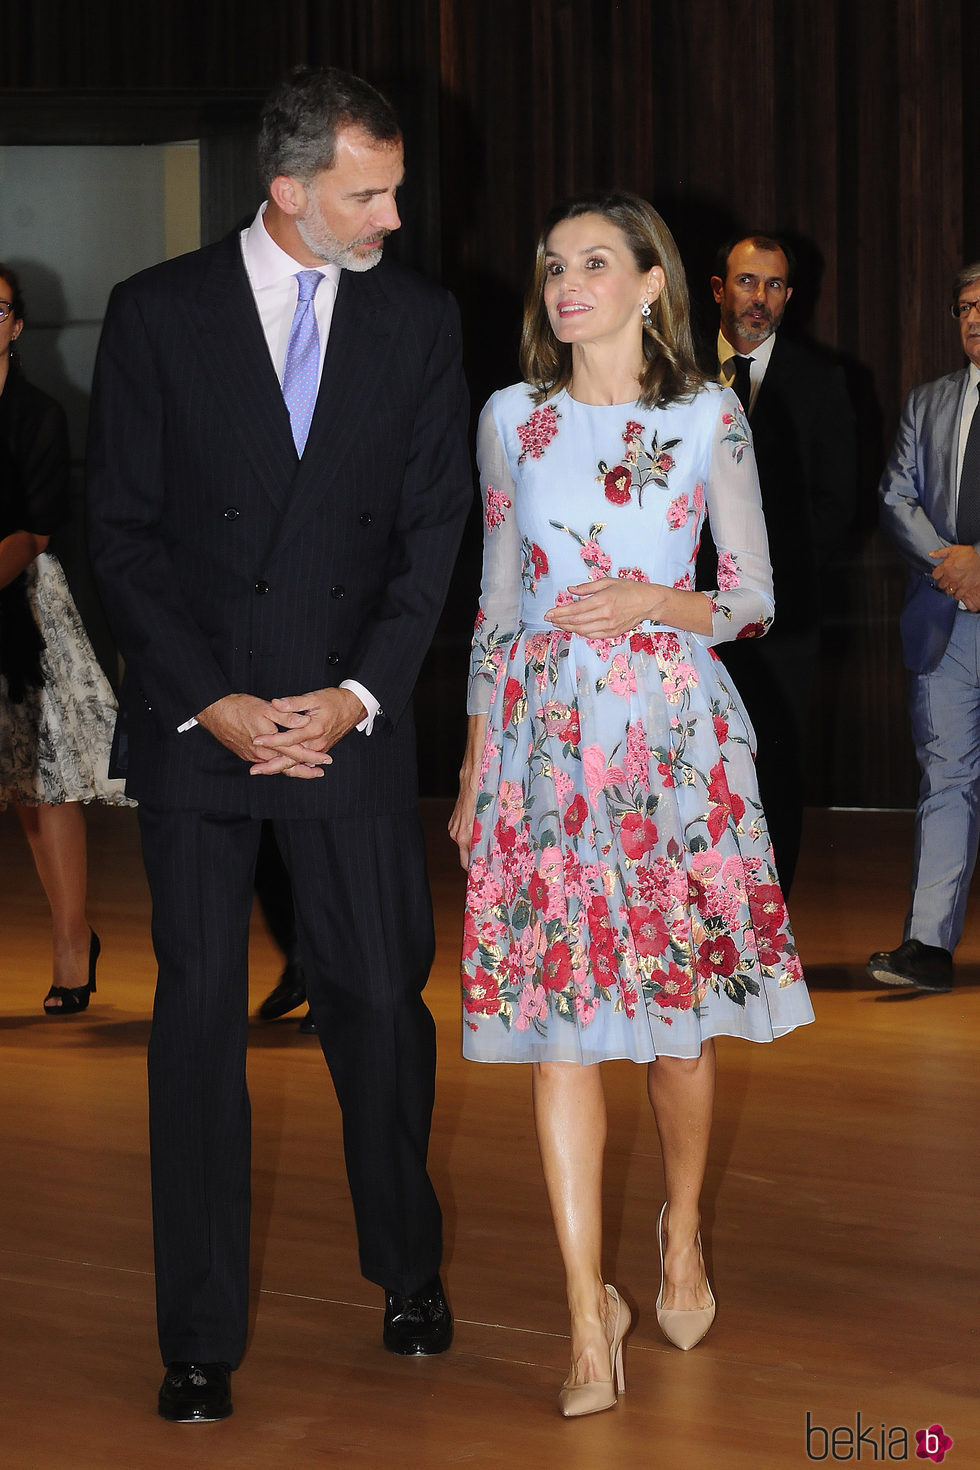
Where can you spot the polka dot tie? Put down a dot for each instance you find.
(299, 374)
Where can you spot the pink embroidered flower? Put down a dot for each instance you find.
(510, 802)
(597, 774)
(677, 510)
(684, 584)
(596, 559)
(698, 498)
(727, 572)
(537, 433)
(496, 507)
(585, 1009)
(632, 574)
(617, 483)
(621, 678)
(533, 1005)
(564, 784)
(664, 463)
(637, 762)
(667, 647)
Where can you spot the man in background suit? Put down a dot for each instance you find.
(930, 505)
(803, 432)
(278, 481)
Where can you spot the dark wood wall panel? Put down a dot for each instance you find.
(849, 123)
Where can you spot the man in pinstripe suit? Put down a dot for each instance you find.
(278, 482)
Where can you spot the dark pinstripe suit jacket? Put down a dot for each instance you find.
(227, 564)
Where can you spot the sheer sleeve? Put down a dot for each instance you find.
(742, 605)
(500, 591)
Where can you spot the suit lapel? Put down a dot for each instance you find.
(236, 359)
(942, 432)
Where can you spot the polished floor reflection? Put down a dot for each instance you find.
(840, 1220)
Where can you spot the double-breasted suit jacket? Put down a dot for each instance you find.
(918, 509)
(230, 565)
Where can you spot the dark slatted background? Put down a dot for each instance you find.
(850, 123)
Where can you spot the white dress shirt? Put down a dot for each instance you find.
(758, 362)
(966, 419)
(272, 276)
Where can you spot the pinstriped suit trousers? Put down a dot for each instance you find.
(365, 931)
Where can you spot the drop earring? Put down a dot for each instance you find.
(646, 313)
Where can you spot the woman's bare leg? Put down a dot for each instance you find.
(56, 835)
(682, 1092)
(570, 1117)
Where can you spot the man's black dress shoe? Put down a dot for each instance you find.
(307, 1025)
(922, 966)
(288, 994)
(418, 1325)
(195, 1393)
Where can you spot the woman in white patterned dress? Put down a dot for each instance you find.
(621, 898)
(56, 708)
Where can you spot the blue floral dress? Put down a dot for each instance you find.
(621, 899)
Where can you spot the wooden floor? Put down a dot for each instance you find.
(841, 1220)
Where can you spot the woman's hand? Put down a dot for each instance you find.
(615, 605)
(464, 812)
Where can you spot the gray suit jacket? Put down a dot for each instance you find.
(918, 509)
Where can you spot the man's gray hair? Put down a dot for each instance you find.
(965, 277)
(302, 118)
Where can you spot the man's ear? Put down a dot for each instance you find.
(717, 288)
(789, 292)
(288, 194)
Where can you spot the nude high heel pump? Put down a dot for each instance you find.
(589, 1398)
(683, 1327)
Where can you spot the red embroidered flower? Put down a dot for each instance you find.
(721, 729)
(649, 929)
(571, 732)
(725, 804)
(632, 432)
(717, 956)
(537, 891)
(540, 560)
(576, 815)
(556, 967)
(512, 693)
(637, 834)
(767, 907)
(481, 994)
(678, 989)
(537, 433)
(617, 482)
(664, 463)
(641, 643)
(751, 630)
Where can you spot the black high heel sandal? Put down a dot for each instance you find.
(74, 998)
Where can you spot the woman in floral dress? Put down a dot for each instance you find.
(621, 899)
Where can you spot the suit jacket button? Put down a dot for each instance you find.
(365, 518)
(337, 591)
(232, 513)
(333, 658)
(261, 588)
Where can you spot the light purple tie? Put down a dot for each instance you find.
(299, 374)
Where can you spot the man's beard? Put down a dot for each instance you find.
(323, 243)
(753, 331)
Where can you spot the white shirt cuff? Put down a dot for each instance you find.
(187, 725)
(369, 702)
